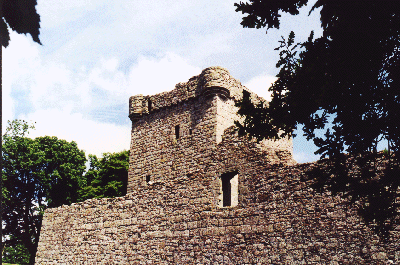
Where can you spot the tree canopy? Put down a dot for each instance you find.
(37, 173)
(106, 177)
(20, 16)
(345, 82)
(49, 172)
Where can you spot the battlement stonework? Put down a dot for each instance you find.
(200, 194)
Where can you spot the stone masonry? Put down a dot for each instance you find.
(199, 194)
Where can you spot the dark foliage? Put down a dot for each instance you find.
(348, 79)
(37, 173)
(16, 254)
(21, 16)
(49, 172)
(107, 177)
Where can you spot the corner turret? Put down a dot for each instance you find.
(136, 107)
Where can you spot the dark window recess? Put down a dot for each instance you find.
(149, 106)
(226, 191)
(227, 188)
(177, 132)
(147, 179)
(190, 131)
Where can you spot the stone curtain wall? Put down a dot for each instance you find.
(279, 220)
(284, 223)
(172, 213)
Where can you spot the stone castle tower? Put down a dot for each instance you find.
(200, 194)
(179, 132)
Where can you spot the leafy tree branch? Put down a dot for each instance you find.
(345, 82)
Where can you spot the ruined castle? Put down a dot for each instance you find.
(200, 194)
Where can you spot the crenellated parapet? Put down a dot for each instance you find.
(211, 82)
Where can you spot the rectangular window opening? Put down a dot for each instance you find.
(177, 132)
(148, 179)
(190, 131)
(229, 189)
(226, 191)
(149, 106)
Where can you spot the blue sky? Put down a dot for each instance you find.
(97, 53)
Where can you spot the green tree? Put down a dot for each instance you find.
(37, 173)
(345, 82)
(16, 254)
(107, 177)
(20, 16)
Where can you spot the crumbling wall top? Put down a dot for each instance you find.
(212, 80)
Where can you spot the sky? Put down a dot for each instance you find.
(98, 53)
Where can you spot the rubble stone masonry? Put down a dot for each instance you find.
(200, 194)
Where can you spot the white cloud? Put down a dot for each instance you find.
(7, 100)
(150, 76)
(205, 32)
(67, 103)
(93, 137)
(76, 78)
(56, 86)
(18, 59)
(260, 85)
(55, 13)
(305, 157)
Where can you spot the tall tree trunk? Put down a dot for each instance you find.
(1, 154)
